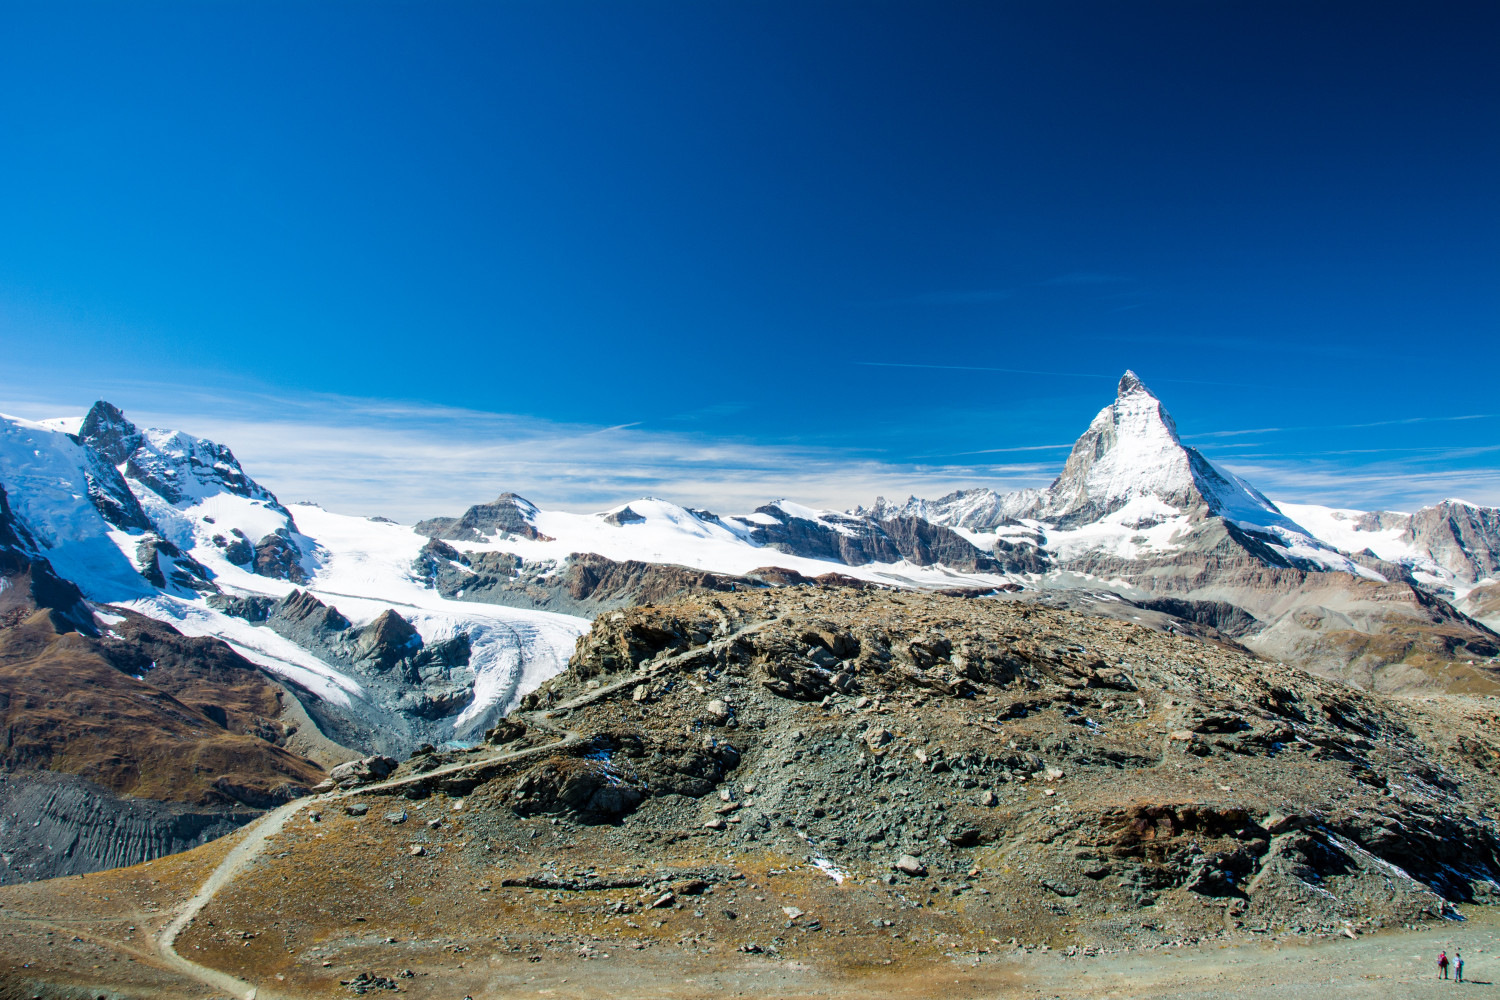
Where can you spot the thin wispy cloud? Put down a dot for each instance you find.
(1379, 485)
(1341, 427)
(1029, 371)
(410, 460)
(958, 298)
(1001, 451)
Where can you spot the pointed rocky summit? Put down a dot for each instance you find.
(1131, 456)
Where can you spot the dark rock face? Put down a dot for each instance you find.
(166, 566)
(1221, 615)
(927, 544)
(28, 582)
(13, 534)
(1463, 538)
(579, 787)
(31, 583)
(387, 640)
(111, 439)
(236, 548)
(164, 468)
(470, 576)
(589, 583)
(251, 608)
(278, 557)
(108, 433)
(623, 517)
(303, 608)
(111, 497)
(1020, 557)
(858, 541)
(509, 514)
(58, 824)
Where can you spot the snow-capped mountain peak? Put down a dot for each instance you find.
(1129, 451)
(175, 466)
(1132, 457)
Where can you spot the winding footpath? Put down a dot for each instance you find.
(257, 834)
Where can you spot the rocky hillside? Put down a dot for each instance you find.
(126, 740)
(856, 781)
(1092, 768)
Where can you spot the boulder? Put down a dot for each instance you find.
(508, 731)
(908, 865)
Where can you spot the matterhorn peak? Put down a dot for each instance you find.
(1131, 457)
(1130, 382)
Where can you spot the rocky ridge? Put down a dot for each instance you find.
(857, 780)
(416, 684)
(1114, 767)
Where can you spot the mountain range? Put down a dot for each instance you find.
(258, 644)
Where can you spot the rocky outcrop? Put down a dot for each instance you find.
(586, 584)
(278, 557)
(236, 547)
(166, 566)
(843, 538)
(606, 583)
(927, 544)
(1021, 556)
(172, 465)
(1463, 538)
(509, 514)
(412, 688)
(963, 723)
(1220, 615)
(469, 576)
(857, 540)
(780, 576)
(109, 434)
(622, 517)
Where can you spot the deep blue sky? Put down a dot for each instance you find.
(700, 218)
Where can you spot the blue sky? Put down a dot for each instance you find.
(588, 250)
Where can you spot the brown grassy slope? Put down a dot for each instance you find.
(66, 706)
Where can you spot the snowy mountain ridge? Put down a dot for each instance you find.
(173, 526)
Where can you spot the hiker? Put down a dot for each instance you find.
(1443, 964)
(1458, 966)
